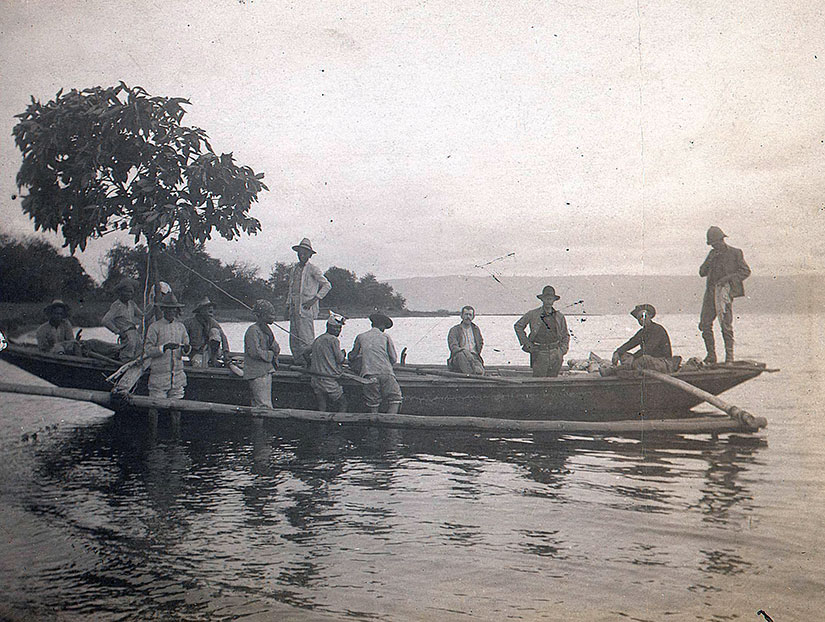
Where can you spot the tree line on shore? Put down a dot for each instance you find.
(35, 271)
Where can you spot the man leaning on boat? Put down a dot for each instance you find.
(549, 338)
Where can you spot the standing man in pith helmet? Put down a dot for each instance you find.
(549, 339)
(725, 269)
(307, 286)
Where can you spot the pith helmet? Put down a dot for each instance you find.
(263, 307)
(548, 292)
(639, 309)
(305, 244)
(205, 302)
(715, 234)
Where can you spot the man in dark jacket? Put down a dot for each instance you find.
(549, 338)
(653, 342)
(465, 343)
(725, 269)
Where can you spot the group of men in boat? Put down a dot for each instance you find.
(373, 354)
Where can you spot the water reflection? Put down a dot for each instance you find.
(305, 514)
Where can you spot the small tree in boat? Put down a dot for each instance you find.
(107, 159)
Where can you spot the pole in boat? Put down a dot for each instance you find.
(744, 417)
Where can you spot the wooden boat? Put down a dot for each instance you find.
(510, 393)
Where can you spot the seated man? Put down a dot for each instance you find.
(123, 319)
(327, 358)
(653, 342)
(373, 355)
(465, 343)
(206, 337)
(57, 334)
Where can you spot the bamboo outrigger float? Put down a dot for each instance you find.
(509, 400)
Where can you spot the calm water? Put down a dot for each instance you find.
(227, 520)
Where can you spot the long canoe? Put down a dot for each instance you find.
(571, 396)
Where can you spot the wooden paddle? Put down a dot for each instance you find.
(233, 367)
(742, 416)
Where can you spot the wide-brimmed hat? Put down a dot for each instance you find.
(56, 303)
(205, 302)
(169, 301)
(263, 307)
(639, 309)
(124, 283)
(715, 234)
(377, 319)
(548, 292)
(305, 244)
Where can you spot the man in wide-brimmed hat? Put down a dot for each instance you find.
(57, 334)
(260, 354)
(327, 361)
(123, 318)
(166, 342)
(208, 341)
(373, 355)
(725, 269)
(549, 338)
(653, 342)
(307, 286)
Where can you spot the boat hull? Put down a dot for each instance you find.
(577, 396)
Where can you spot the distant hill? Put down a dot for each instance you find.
(606, 294)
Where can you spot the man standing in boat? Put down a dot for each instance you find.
(465, 343)
(307, 286)
(653, 342)
(725, 269)
(166, 342)
(260, 354)
(549, 338)
(373, 355)
(123, 319)
(327, 362)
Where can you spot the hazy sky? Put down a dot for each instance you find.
(423, 138)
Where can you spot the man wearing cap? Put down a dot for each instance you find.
(653, 342)
(465, 343)
(123, 319)
(549, 338)
(725, 269)
(166, 342)
(373, 355)
(260, 354)
(307, 286)
(57, 334)
(208, 341)
(327, 360)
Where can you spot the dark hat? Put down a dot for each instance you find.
(378, 319)
(263, 307)
(548, 292)
(715, 234)
(205, 302)
(305, 244)
(639, 309)
(56, 303)
(169, 301)
(124, 283)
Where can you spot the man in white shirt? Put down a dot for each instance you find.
(307, 286)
